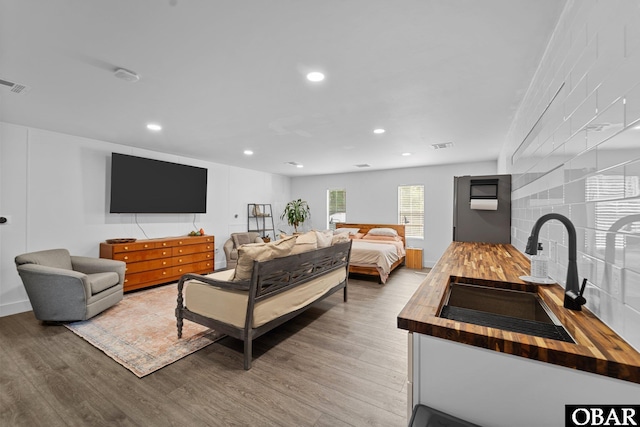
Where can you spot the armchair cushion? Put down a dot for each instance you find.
(59, 258)
(101, 281)
(240, 239)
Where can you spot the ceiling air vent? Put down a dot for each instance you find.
(442, 145)
(363, 165)
(14, 87)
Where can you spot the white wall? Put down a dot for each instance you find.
(372, 197)
(588, 134)
(54, 189)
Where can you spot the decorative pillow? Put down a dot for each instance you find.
(260, 252)
(383, 232)
(340, 238)
(388, 238)
(356, 235)
(305, 242)
(346, 230)
(324, 238)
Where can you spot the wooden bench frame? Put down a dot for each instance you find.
(269, 278)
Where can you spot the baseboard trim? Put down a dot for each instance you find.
(14, 308)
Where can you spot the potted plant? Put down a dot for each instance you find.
(296, 212)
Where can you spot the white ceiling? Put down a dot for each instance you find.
(224, 76)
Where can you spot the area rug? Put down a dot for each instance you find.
(140, 331)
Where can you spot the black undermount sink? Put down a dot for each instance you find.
(505, 309)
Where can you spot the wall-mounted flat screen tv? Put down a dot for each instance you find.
(140, 185)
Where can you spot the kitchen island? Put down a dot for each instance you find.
(490, 376)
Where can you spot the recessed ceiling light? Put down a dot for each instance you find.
(637, 127)
(406, 154)
(315, 76)
(379, 131)
(154, 127)
(248, 152)
(126, 75)
(299, 166)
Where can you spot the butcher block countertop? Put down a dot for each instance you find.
(598, 349)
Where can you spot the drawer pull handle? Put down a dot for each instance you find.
(164, 272)
(126, 257)
(146, 246)
(164, 253)
(126, 280)
(164, 262)
(180, 242)
(164, 244)
(180, 251)
(126, 248)
(180, 260)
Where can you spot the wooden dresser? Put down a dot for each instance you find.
(154, 261)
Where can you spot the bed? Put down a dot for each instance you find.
(375, 257)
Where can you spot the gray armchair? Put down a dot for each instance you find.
(65, 288)
(230, 247)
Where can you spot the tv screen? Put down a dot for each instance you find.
(140, 185)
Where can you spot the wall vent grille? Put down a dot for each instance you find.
(14, 87)
(442, 145)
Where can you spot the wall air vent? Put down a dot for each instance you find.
(14, 87)
(442, 145)
(363, 165)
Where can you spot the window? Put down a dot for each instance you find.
(336, 207)
(411, 209)
(614, 208)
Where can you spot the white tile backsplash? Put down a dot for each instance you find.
(589, 138)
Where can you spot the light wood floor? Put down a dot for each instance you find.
(337, 364)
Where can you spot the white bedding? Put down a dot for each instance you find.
(376, 253)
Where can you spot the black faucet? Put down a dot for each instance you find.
(573, 298)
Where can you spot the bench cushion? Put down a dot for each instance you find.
(260, 252)
(230, 306)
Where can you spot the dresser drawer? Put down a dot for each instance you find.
(155, 264)
(192, 249)
(142, 255)
(130, 247)
(148, 276)
(198, 268)
(189, 259)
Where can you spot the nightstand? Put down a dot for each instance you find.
(414, 258)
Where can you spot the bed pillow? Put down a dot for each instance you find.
(260, 252)
(346, 230)
(356, 235)
(383, 232)
(384, 238)
(324, 238)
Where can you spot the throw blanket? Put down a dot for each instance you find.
(381, 254)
